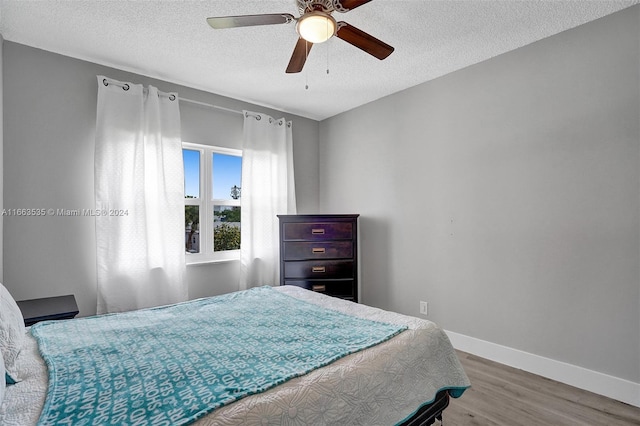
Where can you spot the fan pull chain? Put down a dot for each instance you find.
(306, 71)
(327, 58)
(327, 48)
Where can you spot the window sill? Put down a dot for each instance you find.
(208, 260)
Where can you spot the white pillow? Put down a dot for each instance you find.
(12, 332)
(2, 383)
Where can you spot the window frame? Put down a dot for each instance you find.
(206, 204)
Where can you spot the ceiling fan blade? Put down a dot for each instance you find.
(364, 41)
(350, 4)
(222, 22)
(299, 57)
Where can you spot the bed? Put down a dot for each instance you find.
(403, 372)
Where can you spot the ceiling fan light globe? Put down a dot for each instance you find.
(316, 27)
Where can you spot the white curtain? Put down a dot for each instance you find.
(267, 190)
(139, 189)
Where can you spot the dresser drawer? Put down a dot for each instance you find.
(297, 250)
(317, 231)
(319, 269)
(340, 288)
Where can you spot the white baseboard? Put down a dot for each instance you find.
(593, 381)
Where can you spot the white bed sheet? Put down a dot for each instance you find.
(382, 385)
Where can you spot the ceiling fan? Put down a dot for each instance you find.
(315, 25)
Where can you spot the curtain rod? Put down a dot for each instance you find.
(257, 116)
(172, 97)
(204, 104)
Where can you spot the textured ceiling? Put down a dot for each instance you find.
(171, 40)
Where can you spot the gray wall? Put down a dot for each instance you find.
(507, 196)
(49, 128)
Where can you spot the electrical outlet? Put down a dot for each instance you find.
(424, 308)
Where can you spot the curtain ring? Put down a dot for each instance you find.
(172, 97)
(257, 116)
(270, 120)
(125, 87)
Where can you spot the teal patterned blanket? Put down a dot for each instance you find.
(174, 364)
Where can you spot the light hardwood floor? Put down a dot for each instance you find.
(501, 395)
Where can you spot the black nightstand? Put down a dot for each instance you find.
(48, 308)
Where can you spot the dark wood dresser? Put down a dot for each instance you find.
(320, 253)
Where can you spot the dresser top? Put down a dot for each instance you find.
(317, 216)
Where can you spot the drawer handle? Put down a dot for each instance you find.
(317, 231)
(319, 287)
(317, 250)
(320, 269)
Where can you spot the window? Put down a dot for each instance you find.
(212, 191)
